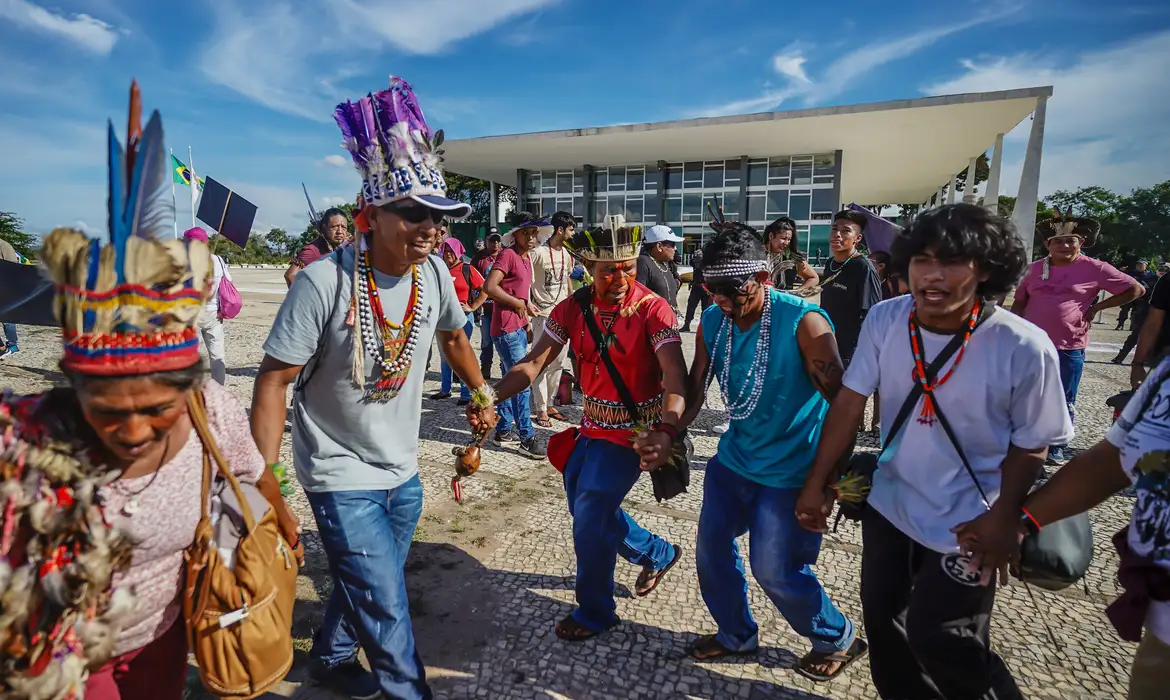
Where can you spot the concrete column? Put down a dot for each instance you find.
(495, 207)
(837, 167)
(1024, 214)
(969, 191)
(590, 209)
(991, 191)
(952, 189)
(662, 165)
(743, 185)
(521, 197)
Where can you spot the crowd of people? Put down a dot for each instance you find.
(105, 491)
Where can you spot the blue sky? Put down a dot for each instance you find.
(251, 86)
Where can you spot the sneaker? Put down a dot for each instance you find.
(532, 448)
(504, 437)
(440, 396)
(721, 428)
(685, 329)
(1056, 456)
(10, 351)
(347, 678)
(462, 402)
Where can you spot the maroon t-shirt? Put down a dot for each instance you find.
(316, 249)
(517, 282)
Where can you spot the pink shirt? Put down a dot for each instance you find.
(168, 509)
(517, 282)
(1058, 304)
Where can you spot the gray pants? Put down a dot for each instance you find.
(211, 330)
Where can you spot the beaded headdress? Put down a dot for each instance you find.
(1068, 225)
(130, 306)
(733, 269)
(395, 151)
(618, 242)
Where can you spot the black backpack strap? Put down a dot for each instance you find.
(586, 304)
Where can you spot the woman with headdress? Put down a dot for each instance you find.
(1059, 294)
(102, 477)
(637, 329)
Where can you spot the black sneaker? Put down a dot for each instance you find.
(462, 402)
(347, 678)
(532, 448)
(509, 436)
(440, 396)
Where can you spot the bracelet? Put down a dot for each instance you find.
(668, 429)
(483, 397)
(1031, 517)
(836, 493)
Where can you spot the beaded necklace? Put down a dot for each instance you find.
(926, 416)
(745, 403)
(829, 265)
(392, 343)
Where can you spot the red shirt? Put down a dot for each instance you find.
(517, 282)
(316, 249)
(460, 273)
(645, 323)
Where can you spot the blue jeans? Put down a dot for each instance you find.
(366, 536)
(445, 369)
(10, 334)
(782, 553)
(486, 344)
(598, 476)
(512, 348)
(1072, 365)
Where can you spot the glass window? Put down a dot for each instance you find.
(578, 180)
(565, 204)
(692, 207)
(634, 210)
(731, 175)
(652, 176)
(635, 179)
(819, 238)
(824, 164)
(758, 173)
(548, 181)
(564, 183)
(674, 208)
(532, 183)
(600, 180)
(693, 175)
(802, 172)
(714, 200)
(550, 206)
(674, 179)
(713, 175)
(824, 201)
(578, 206)
(731, 204)
(778, 171)
(777, 203)
(799, 207)
(599, 208)
(617, 205)
(617, 179)
(651, 210)
(533, 206)
(755, 207)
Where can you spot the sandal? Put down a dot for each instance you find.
(843, 659)
(542, 422)
(708, 648)
(649, 579)
(557, 415)
(571, 630)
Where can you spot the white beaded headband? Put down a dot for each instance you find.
(735, 268)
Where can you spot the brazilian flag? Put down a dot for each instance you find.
(181, 174)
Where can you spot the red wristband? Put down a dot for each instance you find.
(668, 429)
(835, 491)
(1032, 518)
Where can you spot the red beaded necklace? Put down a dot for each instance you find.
(926, 416)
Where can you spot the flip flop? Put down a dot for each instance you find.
(708, 648)
(543, 422)
(856, 650)
(572, 630)
(557, 415)
(649, 579)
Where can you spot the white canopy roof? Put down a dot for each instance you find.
(893, 152)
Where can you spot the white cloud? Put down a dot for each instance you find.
(291, 69)
(846, 70)
(335, 161)
(335, 201)
(1106, 119)
(83, 30)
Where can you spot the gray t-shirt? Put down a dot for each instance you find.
(340, 442)
(1006, 391)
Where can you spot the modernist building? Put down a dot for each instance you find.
(805, 164)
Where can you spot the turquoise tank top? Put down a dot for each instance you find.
(776, 444)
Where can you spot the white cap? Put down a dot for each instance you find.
(659, 233)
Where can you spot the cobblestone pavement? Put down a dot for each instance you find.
(489, 579)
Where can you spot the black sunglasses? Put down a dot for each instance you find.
(729, 288)
(414, 213)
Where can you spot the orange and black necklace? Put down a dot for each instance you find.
(927, 415)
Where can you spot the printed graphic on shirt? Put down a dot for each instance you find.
(958, 568)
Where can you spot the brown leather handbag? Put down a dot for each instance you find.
(240, 582)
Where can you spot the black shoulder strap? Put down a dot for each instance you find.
(932, 371)
(586, 304)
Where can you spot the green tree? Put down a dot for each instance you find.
(12, 230)
(478, 194)
(1143, 221)
(279, 242)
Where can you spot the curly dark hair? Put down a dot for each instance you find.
(735, 241)
(960, 232)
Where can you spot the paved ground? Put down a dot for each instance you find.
(488, 579)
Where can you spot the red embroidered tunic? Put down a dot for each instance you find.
(644, 323)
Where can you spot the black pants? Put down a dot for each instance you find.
(928, 622)
(698, 296)
(1139, 319)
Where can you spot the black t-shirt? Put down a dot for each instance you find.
(1160, 300)
(660, 281)
(848, 291)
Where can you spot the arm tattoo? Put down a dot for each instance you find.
(826, 377)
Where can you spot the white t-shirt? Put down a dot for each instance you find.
(550, 277)
(1145, 438)
(219, 270)
(1006, 391)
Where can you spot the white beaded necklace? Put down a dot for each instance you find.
(371, 329)
(743, 407)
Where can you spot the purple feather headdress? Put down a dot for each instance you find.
(391, 145)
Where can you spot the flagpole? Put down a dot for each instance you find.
(174, 204)
(194, 182)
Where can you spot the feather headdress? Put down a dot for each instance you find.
(397, 154)
(1068, 225)
(130, 306)
(618, 242)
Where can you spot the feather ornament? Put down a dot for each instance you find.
(314, 219)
